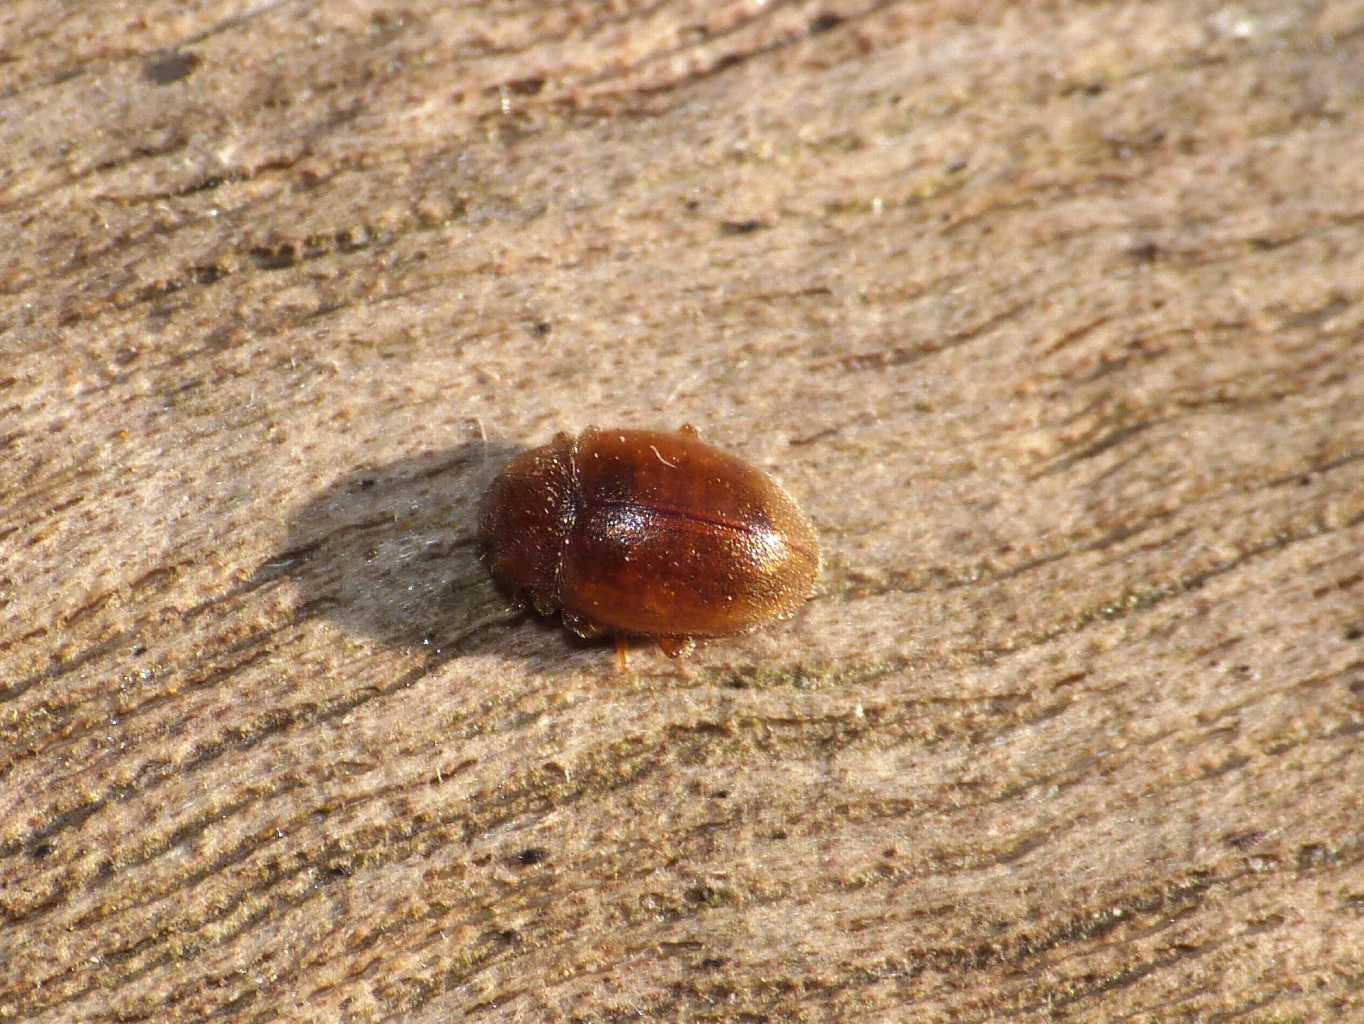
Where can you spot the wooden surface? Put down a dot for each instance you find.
(1049, 314)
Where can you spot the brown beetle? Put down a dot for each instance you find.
(647, 533)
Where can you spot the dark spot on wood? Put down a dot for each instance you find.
(206, 274)
(825, 23)
(1311, 318)
(741, 227)
(532, 855)
(171, 67)
(1314, 855)
(1243, 840)
(800, 442)
(213, 181)
(1144, 252)
(274, 257)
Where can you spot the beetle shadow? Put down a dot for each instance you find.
(391, 552)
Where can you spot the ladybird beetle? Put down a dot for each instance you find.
(640, 533)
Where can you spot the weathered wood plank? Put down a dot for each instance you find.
(1051, 317)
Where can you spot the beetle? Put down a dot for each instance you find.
(645, 533)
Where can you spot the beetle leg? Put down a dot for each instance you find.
(542, 603)
(622, 653)
(676, 646)
(583, 626)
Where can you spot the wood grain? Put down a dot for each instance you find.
(1049, 314)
